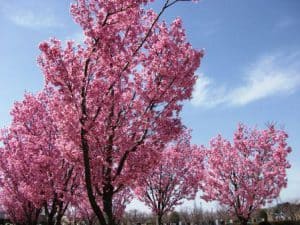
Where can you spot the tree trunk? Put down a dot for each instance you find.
(88, 179)
(61, 211)
(50, 214)
(107, 204)
(50, 220)
(58, 220)
(159, 219)
(243, 221)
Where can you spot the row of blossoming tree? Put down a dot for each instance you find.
(106, 127)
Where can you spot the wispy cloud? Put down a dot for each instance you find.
(207, 93)
(271, 75)
(29, 18)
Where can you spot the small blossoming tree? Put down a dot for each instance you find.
(173, 179)
(247, 173)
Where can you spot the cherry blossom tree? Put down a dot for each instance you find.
(32, 162)
(173, 179)
(119, 94)
(14, 199)
(81, 211)
(249, 172)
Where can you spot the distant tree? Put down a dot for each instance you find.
(287, 211)
(248, 173)
(197, 214)
(263, 215)
(222, 214)
(174, 217)
(82, 212)
(134, 217)
(173, 179)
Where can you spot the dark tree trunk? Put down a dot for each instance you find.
(159, 219)
(50, 214)
(61, 211)
(88, 179)
(37, 215)
(58, 220)
(108, 206)
(243, 221)
(50, 221)
(32, 216)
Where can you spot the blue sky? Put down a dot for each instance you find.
(250, 73)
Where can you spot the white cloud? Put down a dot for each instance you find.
(29, 18)
(207, 94)
(33, 20)
(270, 75)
